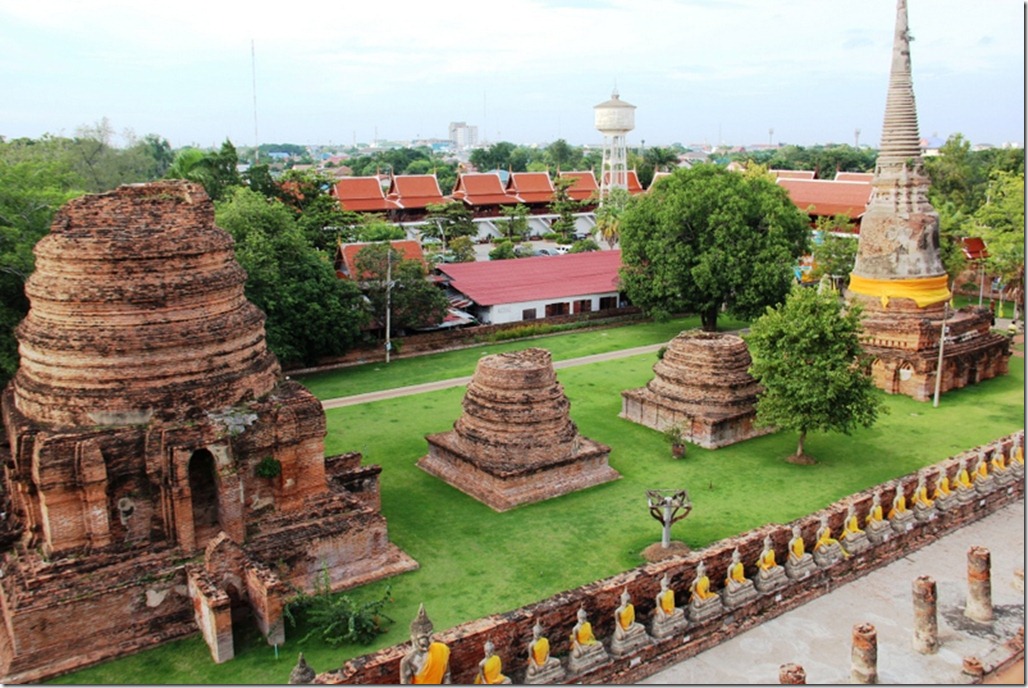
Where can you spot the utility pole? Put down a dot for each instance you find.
(389, 297)
(942, 343)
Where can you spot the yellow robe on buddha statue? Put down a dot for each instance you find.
(541, 651)
(491, 673)
(667, 601)
(434, 668)
(627, 617)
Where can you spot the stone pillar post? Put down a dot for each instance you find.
(791, 675)
(972, 670)
(926, 623)
(979, 585)
(864, 655)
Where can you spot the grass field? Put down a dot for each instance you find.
(475, 562)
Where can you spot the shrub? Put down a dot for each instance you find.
(269, 467)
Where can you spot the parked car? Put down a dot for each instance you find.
(562, 249)
(547, 252)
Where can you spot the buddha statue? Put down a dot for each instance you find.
(998, 466)
(924, 506)
(827, 550)
(853, 539)
(984, 483)
(629, 634)
(542, 668)
(738, 588)
(428, 661)
(703, 603)
(800, 563)
(1017, 457)
(770, 574)
(490, 669)
(668, 620)
(943, 496)
(587, 652)
(900, 517)
(964, 483)
(876, 526)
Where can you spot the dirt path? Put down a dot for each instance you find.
(339, 402)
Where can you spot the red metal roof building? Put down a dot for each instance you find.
(346, 255)
(361, 194)
(866, 177)
(792, 174)
(529, 288)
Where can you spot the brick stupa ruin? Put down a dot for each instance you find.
(898, 278)
(161, 474)
(701, 385)
(515, 442)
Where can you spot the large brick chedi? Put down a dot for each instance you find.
(161, 473)
(898, 278)
(702, 385)
(516, 442)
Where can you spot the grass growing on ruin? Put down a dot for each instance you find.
(414, 370)
(475, 562)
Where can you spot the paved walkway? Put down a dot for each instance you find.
(461, 381)
(817, 635)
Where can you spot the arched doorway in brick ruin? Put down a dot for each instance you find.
(203, 488)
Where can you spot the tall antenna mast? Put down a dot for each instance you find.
(253, 72)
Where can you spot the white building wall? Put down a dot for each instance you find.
(513, 312)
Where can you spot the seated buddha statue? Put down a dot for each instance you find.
(542, 668)
(703, 603)
(738, 588)
(1017, 457)
(876, 526)
(999, 468)
(587, 652)
(629, 634)
(490, 669)
(963, 483)
(943, 497)
(800, 563)
(923, 505)
(770, 574)
(984, 482)
(853, 539)
(428, 661)
(827, 550)
(668, 620)
(900, 517)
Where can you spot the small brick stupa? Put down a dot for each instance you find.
(702, 385)
(162, 474)
(898, 278)
(515, 443)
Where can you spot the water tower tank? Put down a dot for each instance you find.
(615, 117)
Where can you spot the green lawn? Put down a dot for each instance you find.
(475, 562)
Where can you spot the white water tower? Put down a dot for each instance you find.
(614, 119)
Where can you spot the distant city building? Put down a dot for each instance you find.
(463, 135)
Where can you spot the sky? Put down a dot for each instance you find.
(736, 72)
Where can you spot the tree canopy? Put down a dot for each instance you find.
(707, 238)
(808, 359)
(387, 277)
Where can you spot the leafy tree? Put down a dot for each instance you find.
(386, 276)
(584, 246)
(495, 157)
(310, 312)
(463, 250)
(705, 239)
(834, 255)
(377, 228)
(516, 226)
(562, 156)
(608, 216)
(338, 617)
(1001, 225)
(565, 208)
(808, 359)
(446, 221)
(216, 171)
(503, 250)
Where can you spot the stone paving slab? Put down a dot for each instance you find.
(818, 635)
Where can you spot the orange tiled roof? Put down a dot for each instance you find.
(482, 188)
(974, 248)
(792, 174)
(414, 190)
(346, 255)
(531, 187)
(361, 194)
(585, 187)
(634, 187)
(825, 197)
(854, 177)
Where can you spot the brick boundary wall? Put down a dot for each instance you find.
(511, 632)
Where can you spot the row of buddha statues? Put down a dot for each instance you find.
(428, 660)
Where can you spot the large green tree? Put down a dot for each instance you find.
(705, 239)
(388, 279)
(446, 221)
(311, 313)
(808, 359)
(1000, 221)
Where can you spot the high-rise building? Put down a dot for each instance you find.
(463, 135)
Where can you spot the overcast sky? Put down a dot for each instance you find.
(526, 71)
